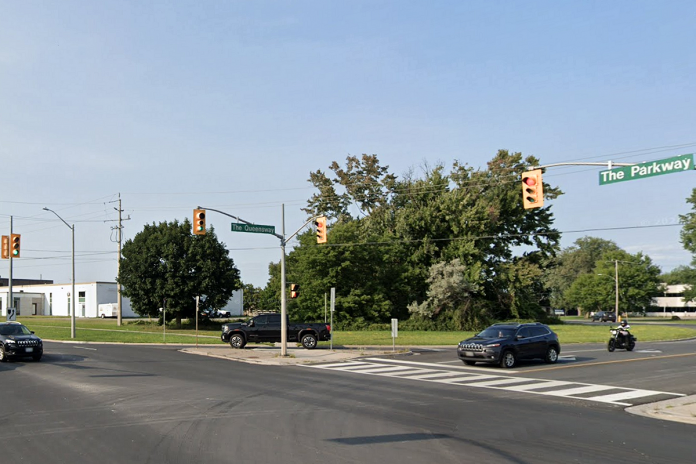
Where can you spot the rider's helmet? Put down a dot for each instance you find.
(624, 323)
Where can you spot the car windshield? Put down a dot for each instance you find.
(497, 332)
(14, 330)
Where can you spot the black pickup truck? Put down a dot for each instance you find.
(266, 328)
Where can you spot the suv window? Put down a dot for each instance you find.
(539, 331)
(524, 332)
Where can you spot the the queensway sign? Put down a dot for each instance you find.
(651, 168)
(253, 228)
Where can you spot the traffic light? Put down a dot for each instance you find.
(321, 229)
(294, 290)
(532, 189)
(15, 242)
(5, 247)
(199, 222)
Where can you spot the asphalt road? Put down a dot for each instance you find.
(147, 404)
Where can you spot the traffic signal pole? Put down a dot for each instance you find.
(283, 299)
(10, 304)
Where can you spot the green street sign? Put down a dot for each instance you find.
(649, 169)
(253, 228)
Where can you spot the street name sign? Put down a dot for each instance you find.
(651, 168)
(253, 228)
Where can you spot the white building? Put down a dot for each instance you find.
(55, 300)
(672, 303)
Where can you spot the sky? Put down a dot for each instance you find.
(168, 105)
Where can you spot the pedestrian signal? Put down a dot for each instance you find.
(294, 290)
(5, 247)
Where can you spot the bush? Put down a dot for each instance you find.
(676, 318)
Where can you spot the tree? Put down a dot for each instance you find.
(572, 262)
(166, 262)
(380, 260)
(688, 238)
(639, 282)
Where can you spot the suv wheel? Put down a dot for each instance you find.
(508, 359)
(551, 355)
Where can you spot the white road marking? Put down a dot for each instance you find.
(463, 377)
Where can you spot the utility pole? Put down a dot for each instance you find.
(118, 265)
(119, 298)
(616, 278)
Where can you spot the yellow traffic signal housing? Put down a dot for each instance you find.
(199, 222)
(5, 247)
(15, 245)
(532, 189)
(321, 229)
(294, 290)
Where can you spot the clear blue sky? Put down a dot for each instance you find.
(231, 104)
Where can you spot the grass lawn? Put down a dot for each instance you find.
(106, 330)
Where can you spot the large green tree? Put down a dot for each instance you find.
(571, 263)
(639, 282)
(166, 262)
(380, 258)
(688, 238)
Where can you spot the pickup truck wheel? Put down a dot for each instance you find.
(237, 341)
(309, 341)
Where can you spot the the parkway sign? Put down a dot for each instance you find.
(651, 168)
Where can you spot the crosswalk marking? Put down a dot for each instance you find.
(461, 377)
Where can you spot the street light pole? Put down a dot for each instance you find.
(616, 288)
(72, 295)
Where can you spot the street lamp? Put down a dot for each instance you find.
(616, 281)
(73, 296)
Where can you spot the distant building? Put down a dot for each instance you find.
(44, 298)
(672, 303)
(51, 299)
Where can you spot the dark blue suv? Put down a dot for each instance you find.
(17, 341)
(506, 343)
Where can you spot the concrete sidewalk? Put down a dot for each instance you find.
(263, 354)
(679, 410)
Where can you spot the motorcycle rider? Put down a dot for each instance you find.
(623, 331)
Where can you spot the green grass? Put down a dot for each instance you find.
(106, 330)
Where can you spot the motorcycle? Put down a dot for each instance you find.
(621, 338)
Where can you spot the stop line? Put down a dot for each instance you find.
(410, 370)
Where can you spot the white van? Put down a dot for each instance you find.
(108, 310)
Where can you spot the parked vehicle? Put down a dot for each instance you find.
(604, 316)
(507, 343)
(108, 310)
(267, 328)
(622, 338)
(17, 341)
